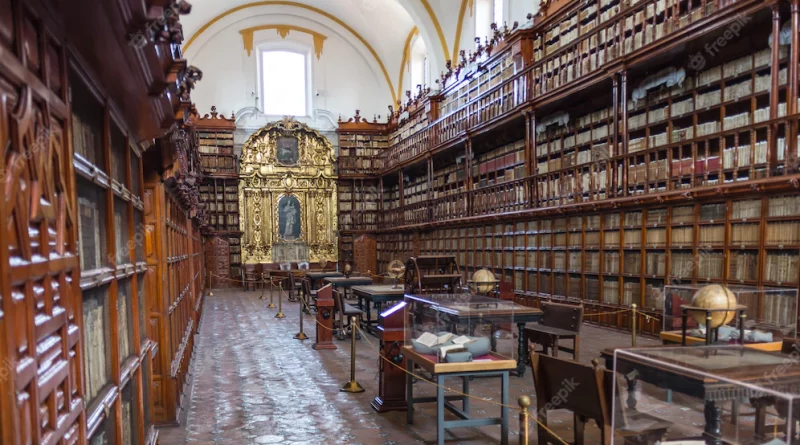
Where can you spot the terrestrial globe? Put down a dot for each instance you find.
(714, 296)
(483, 281)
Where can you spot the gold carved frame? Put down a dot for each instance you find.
(263, 181)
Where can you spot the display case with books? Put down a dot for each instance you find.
(460, 328)
(705, 395)
(770, 314)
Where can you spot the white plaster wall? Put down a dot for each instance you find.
(344, 76)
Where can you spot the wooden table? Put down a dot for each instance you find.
(490, 365)
(317, 276)
(347, 282)
(696, 372)
(502, 311)
(376, 294)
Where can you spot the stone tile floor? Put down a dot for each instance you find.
(252, 383)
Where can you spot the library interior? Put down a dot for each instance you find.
(391, 222)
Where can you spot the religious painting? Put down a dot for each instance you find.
(288, 152)
(289, 218)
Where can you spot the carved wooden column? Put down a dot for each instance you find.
(623, 97)
(429, 212)
(401, 202)
(792, 94)
(611, 179)
(468, 176)
(774, 97)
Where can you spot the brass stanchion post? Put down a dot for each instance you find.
(524, 403)
(280, 303)
(271, 304)
(352, 385)
(633, 325)
(301, 335)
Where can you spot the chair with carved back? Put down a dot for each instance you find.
(559, 321)
(345, 312)
(251, 277)
(586, 390)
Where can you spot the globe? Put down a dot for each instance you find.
(714, 296)
(396, 269)
(483, 281)
(322, 263)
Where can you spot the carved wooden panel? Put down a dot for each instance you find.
(40, 391)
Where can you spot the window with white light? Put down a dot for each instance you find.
(418, 64)
(284, 88)
(497, 16)
(484, 13)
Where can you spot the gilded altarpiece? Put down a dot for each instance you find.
(287, 195)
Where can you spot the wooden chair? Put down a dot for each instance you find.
(559, 321)
(251, 277)
(586, 390)
(309, 295)
(295, 286)
(345, 311)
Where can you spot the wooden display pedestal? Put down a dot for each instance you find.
(324, 336)
(391, 377)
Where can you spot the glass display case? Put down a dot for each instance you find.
(770, 314)
(458, 328)
(704, 395)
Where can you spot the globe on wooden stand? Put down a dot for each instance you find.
(713, 306)
(482, 282)
(396, 270)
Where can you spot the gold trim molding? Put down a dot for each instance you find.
(283, 31)
(326, 14)
(437, 26)
(459, 26)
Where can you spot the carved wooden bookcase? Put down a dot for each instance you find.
(74, 315)
(219, 194)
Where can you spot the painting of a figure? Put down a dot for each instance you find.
(289, 218)
(287, 150)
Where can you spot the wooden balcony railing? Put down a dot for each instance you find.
(501, 198)
(449, 207)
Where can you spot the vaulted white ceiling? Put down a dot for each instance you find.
(380, 27)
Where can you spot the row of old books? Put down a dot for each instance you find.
(87, 140)
(784, 206)
(783, 233)
(123, 327)
(95, 330)
(745, 234)
(744, 265)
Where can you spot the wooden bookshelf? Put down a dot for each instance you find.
(614, 168)
(219, 194)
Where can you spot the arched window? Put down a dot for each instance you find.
(284, 83)
(418, 64)
(486, 13)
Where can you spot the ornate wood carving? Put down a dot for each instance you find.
(40, 357)
(272, 175)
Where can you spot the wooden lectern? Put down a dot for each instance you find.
(324, 319)
(392, 378)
